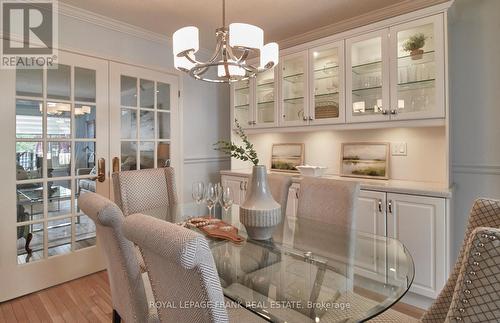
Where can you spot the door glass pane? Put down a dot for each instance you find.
(163, 153)
(59, 82)
(147, 125)
(29, 82)
(59, 159)
(29, 123)
(29, 242)
(59, 198)
(128, 124)
(163, 125)
(84, 157)
(58, 120)
(163, 96)
(29, 160)
(265, 97)
(84, 232)
(147, 155)
(85, 84)
(128, 155)
(59, 234)
(147, 89)
(416, 69)
(242, 102)
(29, 202)
(326, 83)
(366, 58)
(85, 116)
(293, 88)
(128, 91)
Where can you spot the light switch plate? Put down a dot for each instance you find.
(398, 148)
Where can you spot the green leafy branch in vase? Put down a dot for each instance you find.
(245, 152)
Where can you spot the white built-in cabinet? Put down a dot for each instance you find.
(367, 77)
(385, 82)
(419, 222)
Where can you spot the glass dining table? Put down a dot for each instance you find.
(310, 271)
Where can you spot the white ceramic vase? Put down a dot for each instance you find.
(260, 213)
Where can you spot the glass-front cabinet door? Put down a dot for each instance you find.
(327, 88)
(367, 77)
(265, 95)
(294, 78)
(417, 69)
(241, 93)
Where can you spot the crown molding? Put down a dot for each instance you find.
(374, 16)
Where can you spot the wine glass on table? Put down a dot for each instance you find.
(211, 197)
(198, 193)
(227, 199)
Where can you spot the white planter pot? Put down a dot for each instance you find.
(260, 213)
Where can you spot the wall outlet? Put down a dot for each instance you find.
(398, 148)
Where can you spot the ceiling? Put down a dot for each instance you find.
(280, 19)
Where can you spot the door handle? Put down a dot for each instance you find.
(390, 206)
(116, 165)
(380, 206)
(101, 170)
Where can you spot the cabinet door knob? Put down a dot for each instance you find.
(390, 206)
(380, 206)
(249, 123)
(241, 187)
(254, 122)
(304, 118)
(311, 118)
(394, 111)
(384, 111)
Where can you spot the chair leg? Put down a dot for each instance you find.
(116, 317)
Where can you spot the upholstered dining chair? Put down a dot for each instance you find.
(329, 201)
(127, 287)
(181, 269)
(472, 292)
(141, 190)
(279, 184)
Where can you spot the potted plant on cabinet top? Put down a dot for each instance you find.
(260, 213)
(414, 45)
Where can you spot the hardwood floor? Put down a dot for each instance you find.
(87, 299)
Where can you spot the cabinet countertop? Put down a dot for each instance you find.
(390, 186)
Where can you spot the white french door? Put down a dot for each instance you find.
(54, 130)
(145, 131)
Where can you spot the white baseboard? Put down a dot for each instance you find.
(417, 300)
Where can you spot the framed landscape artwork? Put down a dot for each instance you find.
(365, 159)
(286, 157)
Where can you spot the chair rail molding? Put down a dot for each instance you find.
(206, 159)
(476, 169)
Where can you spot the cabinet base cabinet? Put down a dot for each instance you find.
(238, 185)
(420, 224)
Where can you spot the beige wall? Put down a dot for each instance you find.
(425, 160)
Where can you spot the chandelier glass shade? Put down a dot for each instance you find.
(228, 63)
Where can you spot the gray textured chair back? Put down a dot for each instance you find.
(127, 288)
(140, 190)
(279, 184)
(180, 268)
(484, 213)
(327, 200)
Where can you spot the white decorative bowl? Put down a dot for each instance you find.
(313, 171)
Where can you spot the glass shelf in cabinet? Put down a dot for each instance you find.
(294, 78)
(425, 54)
(415, 85)
(242, 106)
(371, 88)
(326, 70)
(265, 102)
(294, 99)
(367, 68)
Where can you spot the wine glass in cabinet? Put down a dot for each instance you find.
(294, 78)
(367, 77)
(326, 64)
(417, 69)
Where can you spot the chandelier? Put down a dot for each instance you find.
(229, 61)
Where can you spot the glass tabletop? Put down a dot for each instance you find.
(309, 271)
